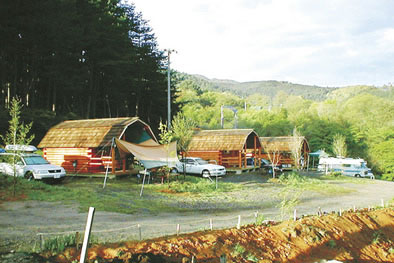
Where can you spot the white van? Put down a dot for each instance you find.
(347, 166)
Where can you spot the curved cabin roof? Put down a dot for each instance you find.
(91, 132)
(283, 143)
(224, 140)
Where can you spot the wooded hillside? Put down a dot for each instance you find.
(363, 114)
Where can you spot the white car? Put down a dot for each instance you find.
(29, 165)
(194, 165)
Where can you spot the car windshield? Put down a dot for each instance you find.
(201, 161)
(35, 160)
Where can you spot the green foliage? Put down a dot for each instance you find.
(17, 132)
(182, 129)
(197, 185)
(387, 177)
(103, 61)
(238, 250)
(59, 243)
(339, 145)
(331, 243)
(260, 219)
(377, 237)
(361, 115)
(166, 135)
(252, 258)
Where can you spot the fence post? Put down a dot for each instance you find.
(193, 259)
(295, 215)
(382, 201)
(41, 242)
(340, 212)
(256, 214)
(223, 258)
(239, 222)
(139, 232)
(354, 208)
(87, 235)
(77, 240)
(178, 229)
(210, 224)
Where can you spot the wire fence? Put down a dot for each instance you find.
(143, 231)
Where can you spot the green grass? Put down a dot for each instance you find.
(120, 195)
(197, 186)
(319, 184)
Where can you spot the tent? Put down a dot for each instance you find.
(318, 154)
(151, 155)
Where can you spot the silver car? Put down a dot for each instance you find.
(29, 165)
(194, 165)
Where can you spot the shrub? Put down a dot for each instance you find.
(260, 219)
(387, 177)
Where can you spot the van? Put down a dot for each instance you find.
(347, 166)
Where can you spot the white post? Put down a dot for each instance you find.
(295, 214)
(256, 214)
(239, 222)
(106, 170)
(210, 224)
(382, 201)
(178, 229)
(340, 212)
(143, 182)
(139, 231)
(87, 235)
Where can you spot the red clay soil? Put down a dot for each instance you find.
(361, 236)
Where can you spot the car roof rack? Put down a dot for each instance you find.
(20, 147)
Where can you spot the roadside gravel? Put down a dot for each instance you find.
(22, 221)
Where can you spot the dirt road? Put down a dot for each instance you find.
(22, 221)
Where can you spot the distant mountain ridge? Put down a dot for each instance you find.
(266, 87)
(272, 87)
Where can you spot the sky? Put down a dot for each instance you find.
(315, 42)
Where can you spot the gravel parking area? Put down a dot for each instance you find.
(21, 221)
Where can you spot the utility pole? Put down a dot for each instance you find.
(169, 51)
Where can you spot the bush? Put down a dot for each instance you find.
(334, 174)
(387, 177)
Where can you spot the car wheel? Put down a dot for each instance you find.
(356, 175)
(29, 176)
(205, 173)
(174, 171)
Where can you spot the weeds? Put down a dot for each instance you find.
(377, 237)
(59, 243)
(260, 220)
(238, 250)
(331, 243)
(252, 258)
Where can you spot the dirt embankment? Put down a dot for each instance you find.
(362, 236)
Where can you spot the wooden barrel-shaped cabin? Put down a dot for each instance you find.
(283, 146)
(84, 146)
(228, 147)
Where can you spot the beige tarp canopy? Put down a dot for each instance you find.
(151, 154)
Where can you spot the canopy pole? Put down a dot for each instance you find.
(143, 182)
(106, 170)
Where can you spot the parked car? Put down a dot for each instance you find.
(194, 165)
(267, 167)
(29, 165)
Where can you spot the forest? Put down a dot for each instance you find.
(74, 59)
(71, 59)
